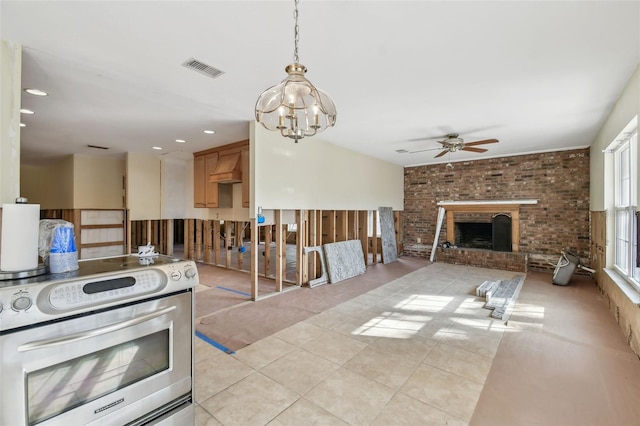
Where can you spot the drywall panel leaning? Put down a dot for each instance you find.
(344, 260)
(388, 235)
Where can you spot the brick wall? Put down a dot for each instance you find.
(558, 180)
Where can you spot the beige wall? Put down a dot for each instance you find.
(50, 185)
(10, 88)
(627, 106)
(313, 174)
(158, 188)
(144, 196)
(75, 182)
(174, 191)
(97, 182)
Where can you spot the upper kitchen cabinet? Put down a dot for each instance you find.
(211, 188)
(205, 193)
(216, 170)
(199, 196)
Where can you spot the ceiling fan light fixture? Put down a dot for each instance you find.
(449, 165)
(295, 107)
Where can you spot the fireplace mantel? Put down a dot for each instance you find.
(487, 206)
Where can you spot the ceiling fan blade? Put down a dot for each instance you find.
(424, 150)
(442, 153)
(428, 138)
(481, 142)
(466, 148)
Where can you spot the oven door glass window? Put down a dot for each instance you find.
(62, 387)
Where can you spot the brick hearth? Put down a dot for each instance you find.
(506, 261)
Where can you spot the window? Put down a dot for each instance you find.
(625, 168)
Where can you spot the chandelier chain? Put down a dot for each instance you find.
(296, 33)
(295, 107)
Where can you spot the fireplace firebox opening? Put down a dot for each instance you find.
(494, 235)
(474, 235)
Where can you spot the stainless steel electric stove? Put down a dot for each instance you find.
(110, 343)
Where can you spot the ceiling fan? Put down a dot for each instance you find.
(452, 143)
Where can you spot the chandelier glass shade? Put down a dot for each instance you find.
(295, 107)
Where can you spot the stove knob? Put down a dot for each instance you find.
(21, 303)
(176, 275)
(189, 272)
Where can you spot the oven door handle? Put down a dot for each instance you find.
(40, 344)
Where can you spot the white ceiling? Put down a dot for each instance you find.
(538, 76)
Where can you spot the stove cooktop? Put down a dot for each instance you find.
(98, 266)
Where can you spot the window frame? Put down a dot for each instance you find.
(625, 207)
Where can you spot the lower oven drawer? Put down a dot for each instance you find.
(110, 367)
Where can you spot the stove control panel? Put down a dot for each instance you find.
(85, 293)
(28, 303)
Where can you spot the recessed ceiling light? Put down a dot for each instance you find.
(180, 140)
(36, 92)
(209, 132)
(26, 111)
(157, 147)
(23, 125)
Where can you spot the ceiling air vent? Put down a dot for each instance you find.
(97, 147)
(202, 68)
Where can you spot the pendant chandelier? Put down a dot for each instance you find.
(295, 107)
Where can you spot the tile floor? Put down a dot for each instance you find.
(414, 351)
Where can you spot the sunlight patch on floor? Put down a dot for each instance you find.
(392, 325)
(424, 303)
(469, 306)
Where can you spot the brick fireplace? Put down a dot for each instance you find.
(509, 208)
(478, 217)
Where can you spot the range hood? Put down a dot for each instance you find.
(228, 169)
